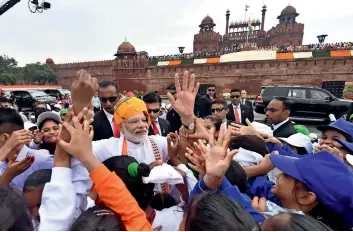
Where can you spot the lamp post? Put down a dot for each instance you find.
(321, 38)
(181, 49)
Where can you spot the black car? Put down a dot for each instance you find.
(25, 99)
(57, 92)
(305, 102)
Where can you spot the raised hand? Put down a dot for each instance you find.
(259, 203)
(17, 138)
(240, 130)
(15, 168)
(184, 104)
(82, 90)
(80, 145)
(200, 131)
(37, 136)
(173, 148)
(197, 162)
(333, 150)
(217, 159)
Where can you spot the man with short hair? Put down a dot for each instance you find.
(158, 126)
(277, 115)
(220, 109)
(237, 112)
(5, 102)
(206, 101)
(13, 138)
(103, 124)
(245, 101)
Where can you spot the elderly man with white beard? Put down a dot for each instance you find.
(131, 116)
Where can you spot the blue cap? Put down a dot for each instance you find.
(347, 145)
(340, 125)
(325, 175)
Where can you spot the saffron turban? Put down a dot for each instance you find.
(128, 107)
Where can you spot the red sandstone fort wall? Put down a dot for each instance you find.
(248, 75)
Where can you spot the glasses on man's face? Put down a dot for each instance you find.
(110, 99)
(211, 90)
(153, 110)
(217, 109)
(235, 96)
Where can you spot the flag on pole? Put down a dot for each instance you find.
(250, 27)
(246, 7)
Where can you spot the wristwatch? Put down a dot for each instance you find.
(191, 126)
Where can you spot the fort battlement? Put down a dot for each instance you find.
(249, 74)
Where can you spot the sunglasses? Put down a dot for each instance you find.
(153, 110)
(236, 96)
(211, 90)
(218, 110)
(110, 99)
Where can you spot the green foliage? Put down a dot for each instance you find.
(38, 73)
(35, 73)
(348, 89)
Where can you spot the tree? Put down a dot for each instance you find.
(38, 73)
(9, 72)
(7, 63)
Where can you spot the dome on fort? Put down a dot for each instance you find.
(49, 61)
(289, 10)
(207, 20)
(126, 47)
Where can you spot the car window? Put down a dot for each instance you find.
(64, 91)
(22, 94)
(38, 94)
(275, 92)
(297, 93)
(318, 94)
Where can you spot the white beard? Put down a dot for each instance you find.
(135, 138)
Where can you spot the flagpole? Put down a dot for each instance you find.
(247, 33)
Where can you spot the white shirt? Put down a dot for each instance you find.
(107, 148)
(43, 160)
(275, 127)
(169, 218)
(239, 112)
(225, 127)
(158, 126)
(110, 118)
(243, 101)
(58, 201)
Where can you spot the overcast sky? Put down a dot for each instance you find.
(88, 30)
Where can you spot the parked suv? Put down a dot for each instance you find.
(305, 102)
(25, 99)
(57, 92)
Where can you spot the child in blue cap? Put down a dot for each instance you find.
(319, 185)
(339, 129)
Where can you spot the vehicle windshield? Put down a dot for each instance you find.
(64, 91)
(38, 93)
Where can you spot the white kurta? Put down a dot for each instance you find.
(107, 148)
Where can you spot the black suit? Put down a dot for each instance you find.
(102, 127)
(174, 120)
(285, 130)
(245, 114)
(249, 104)
(205, 106)
(163, 124)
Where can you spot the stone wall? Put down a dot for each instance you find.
(245, 75)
